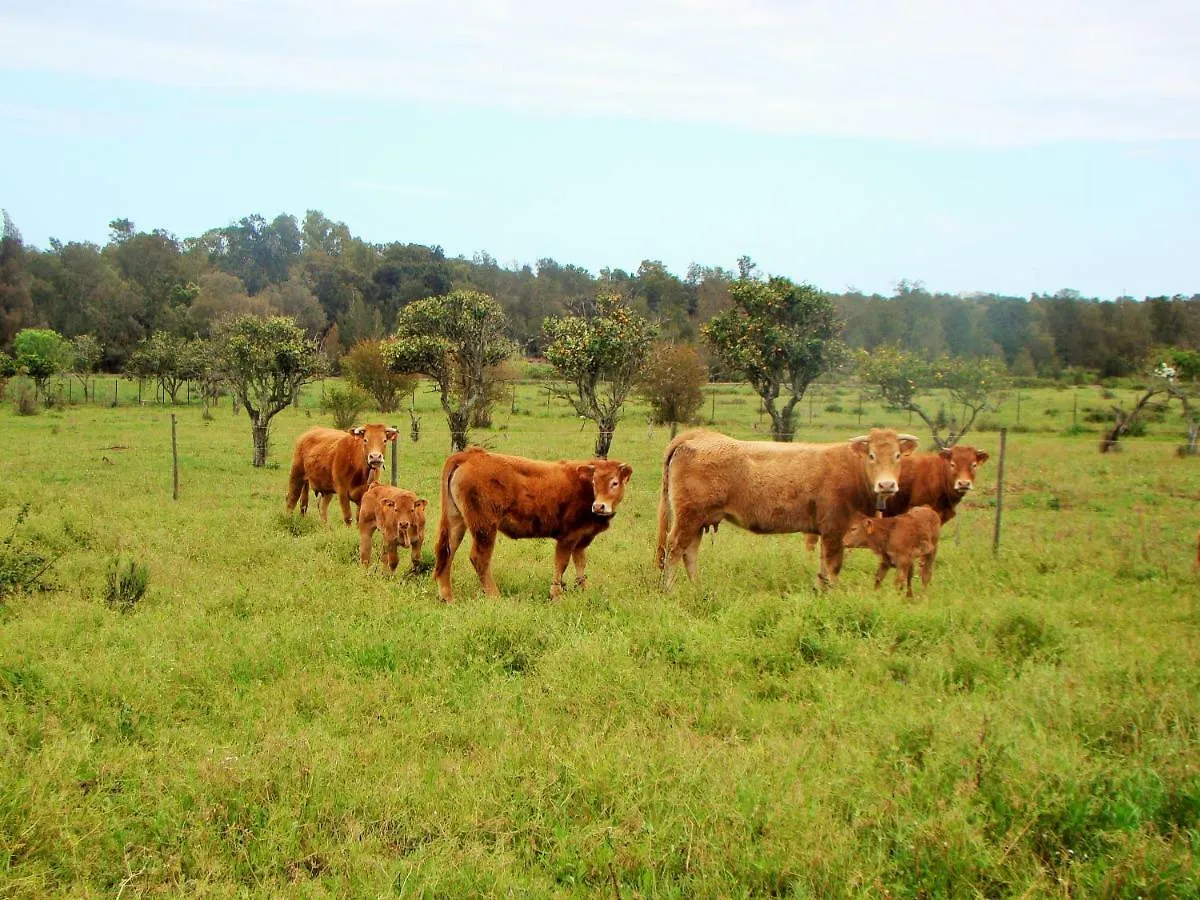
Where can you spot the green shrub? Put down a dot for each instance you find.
(23, 562)
(345, 404)
(24, 398)
(833, 408)
(125, 584)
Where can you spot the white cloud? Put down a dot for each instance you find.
(1028, 71)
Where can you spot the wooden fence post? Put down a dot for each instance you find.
(174, 461)
(394, 443)
(999, 491)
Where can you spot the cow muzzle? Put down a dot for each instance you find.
(886, 487)
(375, 461)
(963, 486)
(602, 509)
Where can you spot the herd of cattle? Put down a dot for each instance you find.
(870, 491)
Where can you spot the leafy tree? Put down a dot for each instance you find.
(672, 383)
(293, 298)
(86, 354)
(41, 353)
(8, 368)
(223, 296)
(166, 359)
(779, 336)
(265, 362)
(456, 340)
(600, 357)
(897, 377)
(16, 301)
(366, 367)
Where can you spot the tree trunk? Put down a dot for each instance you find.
(674, 428)
(783, 426)
(261, 429)
(604, 437)
(458, 429)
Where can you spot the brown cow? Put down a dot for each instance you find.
(772, 488)
(337, 462)
(570, 501)
(940, 480)
(399, 514)
(900, 541)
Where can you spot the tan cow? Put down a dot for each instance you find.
(331, 462)
(399, 515)
(900, 541)
(570, 501)
(772, 488)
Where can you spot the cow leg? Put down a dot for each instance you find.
(483, 543)
(415, 547)
(365, 539)
(562, 556)
(832, 554)
(691, 559)
(810, 541)
(344, 502)
(927, 567)
(881, 572)
(391, 556)
(323, 507)
(684, 537)
(304, 500)
(297, 484)
(456, 529)
(904, 576)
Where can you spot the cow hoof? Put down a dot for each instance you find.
(581, 583)
(556, 592)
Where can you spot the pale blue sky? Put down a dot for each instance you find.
(1047, 145)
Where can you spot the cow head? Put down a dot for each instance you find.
(860, 532)
(400, 516)
(608, 479)
(374, 438)
(961, 463)
(881, 450)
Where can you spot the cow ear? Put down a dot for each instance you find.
(861, 443)
(981, 456)
(908, 443)
(358, 431)
(390, 433)
(946, 453)
(420, 504)
(626, 471)
(586, 472)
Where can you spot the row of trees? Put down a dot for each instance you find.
(342, 290)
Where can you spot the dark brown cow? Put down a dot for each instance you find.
(772, 488)
(900, 541)
(940, 480)
(399, 515)
(337, 462)
(570, 501)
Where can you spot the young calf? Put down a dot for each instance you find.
(399, 514)
(899, 542)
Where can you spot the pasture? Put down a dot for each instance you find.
(273, 719)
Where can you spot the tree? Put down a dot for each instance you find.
(41, 353)
(165, 358)
(600, 357)
(86, 354)
(365, 367)
(672, 384)
(777, 335)
(265, 362)
(8, 368)
(457, 340)
(16, 302)
(896, 377)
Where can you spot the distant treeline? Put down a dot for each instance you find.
(342, 289)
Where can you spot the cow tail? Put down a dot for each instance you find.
(664, 504)
(442, 544)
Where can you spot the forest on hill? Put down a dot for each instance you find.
(342, 289)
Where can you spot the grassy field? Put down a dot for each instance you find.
(273, 719)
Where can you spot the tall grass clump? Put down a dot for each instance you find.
(125, 584)
(24, 398)
(23, 562)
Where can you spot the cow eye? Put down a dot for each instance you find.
(897, 454)
(871, 455)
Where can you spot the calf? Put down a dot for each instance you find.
(570, 501)
(399, 515)
(331, 462)
(899, 541)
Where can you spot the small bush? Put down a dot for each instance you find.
(125, 584)
(23, 563)
(345, 404)
(833, 408)
(24, 398)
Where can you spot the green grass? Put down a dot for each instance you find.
(272, 719)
